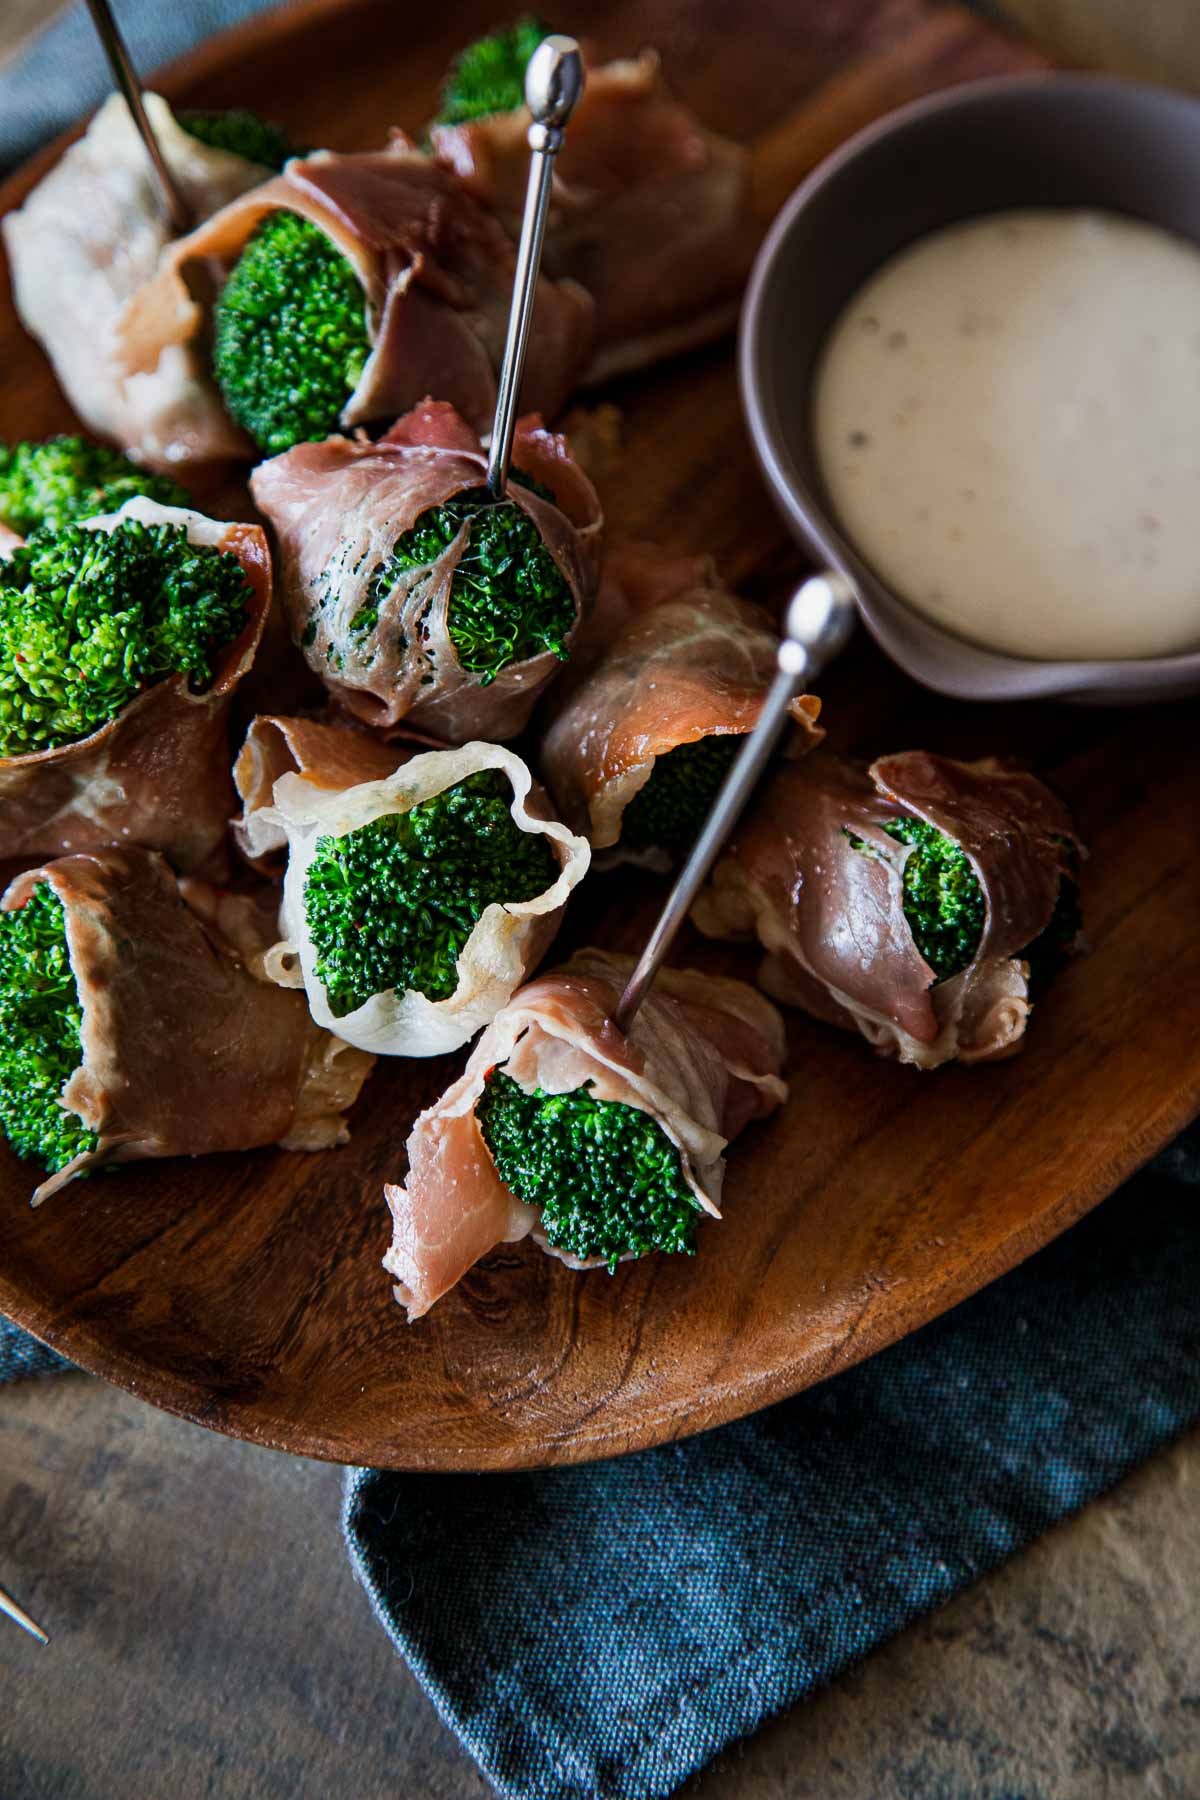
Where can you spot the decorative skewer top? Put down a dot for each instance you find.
(553, 83)
(816, 626)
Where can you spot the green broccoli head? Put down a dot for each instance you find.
(668, 813)
(607, 1177)
(88, 619)
(945, 907)
(943, 901)
(67, 478)
(242, 133)
(489, 75)
(392, 904)
(40, 1023)
(289, 334)
(509, 600)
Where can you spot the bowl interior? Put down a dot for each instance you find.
(1041, 141)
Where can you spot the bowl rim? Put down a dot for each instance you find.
(1002, 676)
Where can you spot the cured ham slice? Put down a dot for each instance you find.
(88, 237)
(506, 942)
(183, 1051)
(330, 754)
(158, 773)
(672, 657)
(436, 272)
(648, 210)
(813, 874)
(338, 508)
(702, 1058)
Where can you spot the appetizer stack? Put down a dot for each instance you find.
(478, 697)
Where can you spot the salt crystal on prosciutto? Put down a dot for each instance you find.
(821, 870)
(381, 633)
(701, 1060)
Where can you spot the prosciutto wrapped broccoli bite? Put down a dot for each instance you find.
(919, 901)
(411, 593)
(122, 640)
(90, 236)
(131, 1029)
(674, 673)
(602, 1145)
(414, 903)
(340, 293)
(648, 211)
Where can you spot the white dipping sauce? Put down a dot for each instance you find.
(1008, 424)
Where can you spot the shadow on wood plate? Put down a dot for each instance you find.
(247, 1293)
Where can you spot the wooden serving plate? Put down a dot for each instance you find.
(246, 1292)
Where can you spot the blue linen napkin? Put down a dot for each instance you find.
(600, 1633)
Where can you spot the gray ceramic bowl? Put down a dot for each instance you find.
(1040, 140)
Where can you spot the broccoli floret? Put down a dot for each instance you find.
(392, 904)
(607, 1177)
(668, 812)
(489, 75)
(90, 618)
(943, 901)
(242, 133)
(289, 334)
(40, 1022)
(68, 478)
(509, 600)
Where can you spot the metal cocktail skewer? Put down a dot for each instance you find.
(817, 625)
(553, 84)
(125, 76)
(19, 1616)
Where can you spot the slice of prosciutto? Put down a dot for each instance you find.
(331, 754)
(184, 1052)
(436, 272)
(338, 508)
(158, 773)
(88, 237)
(702, 1058)
(672, 657)
(648, 210)
(507, 941)
(830, 916)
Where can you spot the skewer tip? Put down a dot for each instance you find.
(819, 620)
(554, 81)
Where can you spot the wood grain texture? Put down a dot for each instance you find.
(246, 1293)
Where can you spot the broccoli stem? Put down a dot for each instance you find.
(606, 1176)
(391, 904)
(47, 486)
(289, 334)
(40, 1025)
(669, 811)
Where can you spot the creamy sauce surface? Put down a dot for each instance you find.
(1007, 419)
